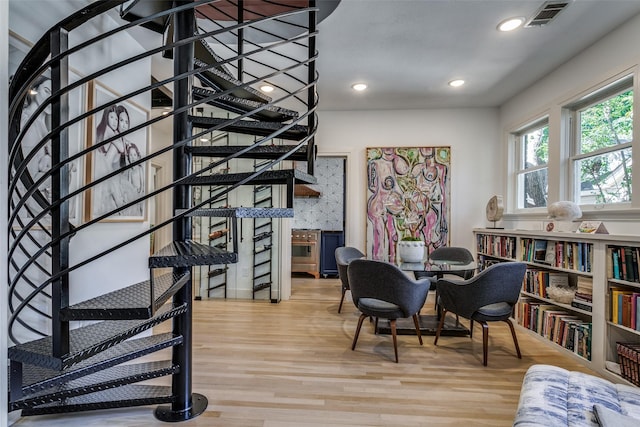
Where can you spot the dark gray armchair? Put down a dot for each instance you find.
(382, 290)
(344, 255)
(448, 253)
(487, 297)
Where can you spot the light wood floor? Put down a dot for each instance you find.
(290, 364)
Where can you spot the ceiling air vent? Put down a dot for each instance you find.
(547, 13)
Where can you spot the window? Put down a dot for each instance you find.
(601, 145)
(533, 156)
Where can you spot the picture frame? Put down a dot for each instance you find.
(131, 184)
(408, 195)
(78, 104)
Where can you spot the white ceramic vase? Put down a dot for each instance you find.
(411, 251)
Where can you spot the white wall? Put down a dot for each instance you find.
(616, 54)
(129, 264)
(475, 166)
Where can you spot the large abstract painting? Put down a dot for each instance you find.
(408, 192)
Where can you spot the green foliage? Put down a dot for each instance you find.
(604, 125)
(411, 239)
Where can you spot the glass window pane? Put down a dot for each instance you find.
(536, 147)
(535, 189)
(607, 123)
(605, 178)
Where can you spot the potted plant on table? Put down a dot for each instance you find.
(411, 249)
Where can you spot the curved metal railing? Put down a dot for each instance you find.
(53, 133)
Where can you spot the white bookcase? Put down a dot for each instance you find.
(590, 257)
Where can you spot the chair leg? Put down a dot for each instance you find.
(471, 328)
(485, 342)
(515, 339)
(395, 340)
(375, 327)
(416, 322)
(440, 325)
(344, 291)
(355, 338)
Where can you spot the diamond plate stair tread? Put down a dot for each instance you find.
(250, 127)
(258, 110)
(121, 397)
(36, 378)
(241, 212)
(203, 52)
(132, 302)
(88, 340)
(116, 376)
(271, 177)
(268, 152)
(190, 253)
(221, 81)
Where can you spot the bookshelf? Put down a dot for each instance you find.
(602, 310)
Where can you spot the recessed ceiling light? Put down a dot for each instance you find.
(266, 88)
(33, 92)
(510, 24)
(359, 87)
(204, 139)
(456, 83)
(165, 113)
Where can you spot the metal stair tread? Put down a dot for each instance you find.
(89, 340)
(272, 177)
(259, 152)
(190, 253)
(241, 212)
(115, 376)
(221, 81)
(36, 378)
(258, 110)
(250, 127)
(139, 9)
(131, 302)
(125, 396)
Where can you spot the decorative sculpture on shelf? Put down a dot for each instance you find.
(562, 211)
(495, 209)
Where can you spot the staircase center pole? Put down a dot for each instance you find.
(185, 405)
(59, 151)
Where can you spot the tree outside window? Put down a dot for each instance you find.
(534, 156)
(603, 150)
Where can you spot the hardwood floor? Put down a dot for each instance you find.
(290, 364)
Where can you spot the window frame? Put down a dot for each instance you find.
(605, 92)
(520, 162)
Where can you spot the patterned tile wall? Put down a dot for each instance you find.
(326, 212)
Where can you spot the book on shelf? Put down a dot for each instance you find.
(540, 251)
(582, 305)
(584, 285)
(624, 307)
(581, 296)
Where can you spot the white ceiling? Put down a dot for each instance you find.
(408, 50)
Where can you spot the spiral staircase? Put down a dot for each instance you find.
(82, 356)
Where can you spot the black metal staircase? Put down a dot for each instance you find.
(76, 357)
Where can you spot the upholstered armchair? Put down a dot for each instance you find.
(382, 290)
(344, 255)
(487, 297)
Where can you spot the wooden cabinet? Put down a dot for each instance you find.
(330, 241)
(602, 273)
